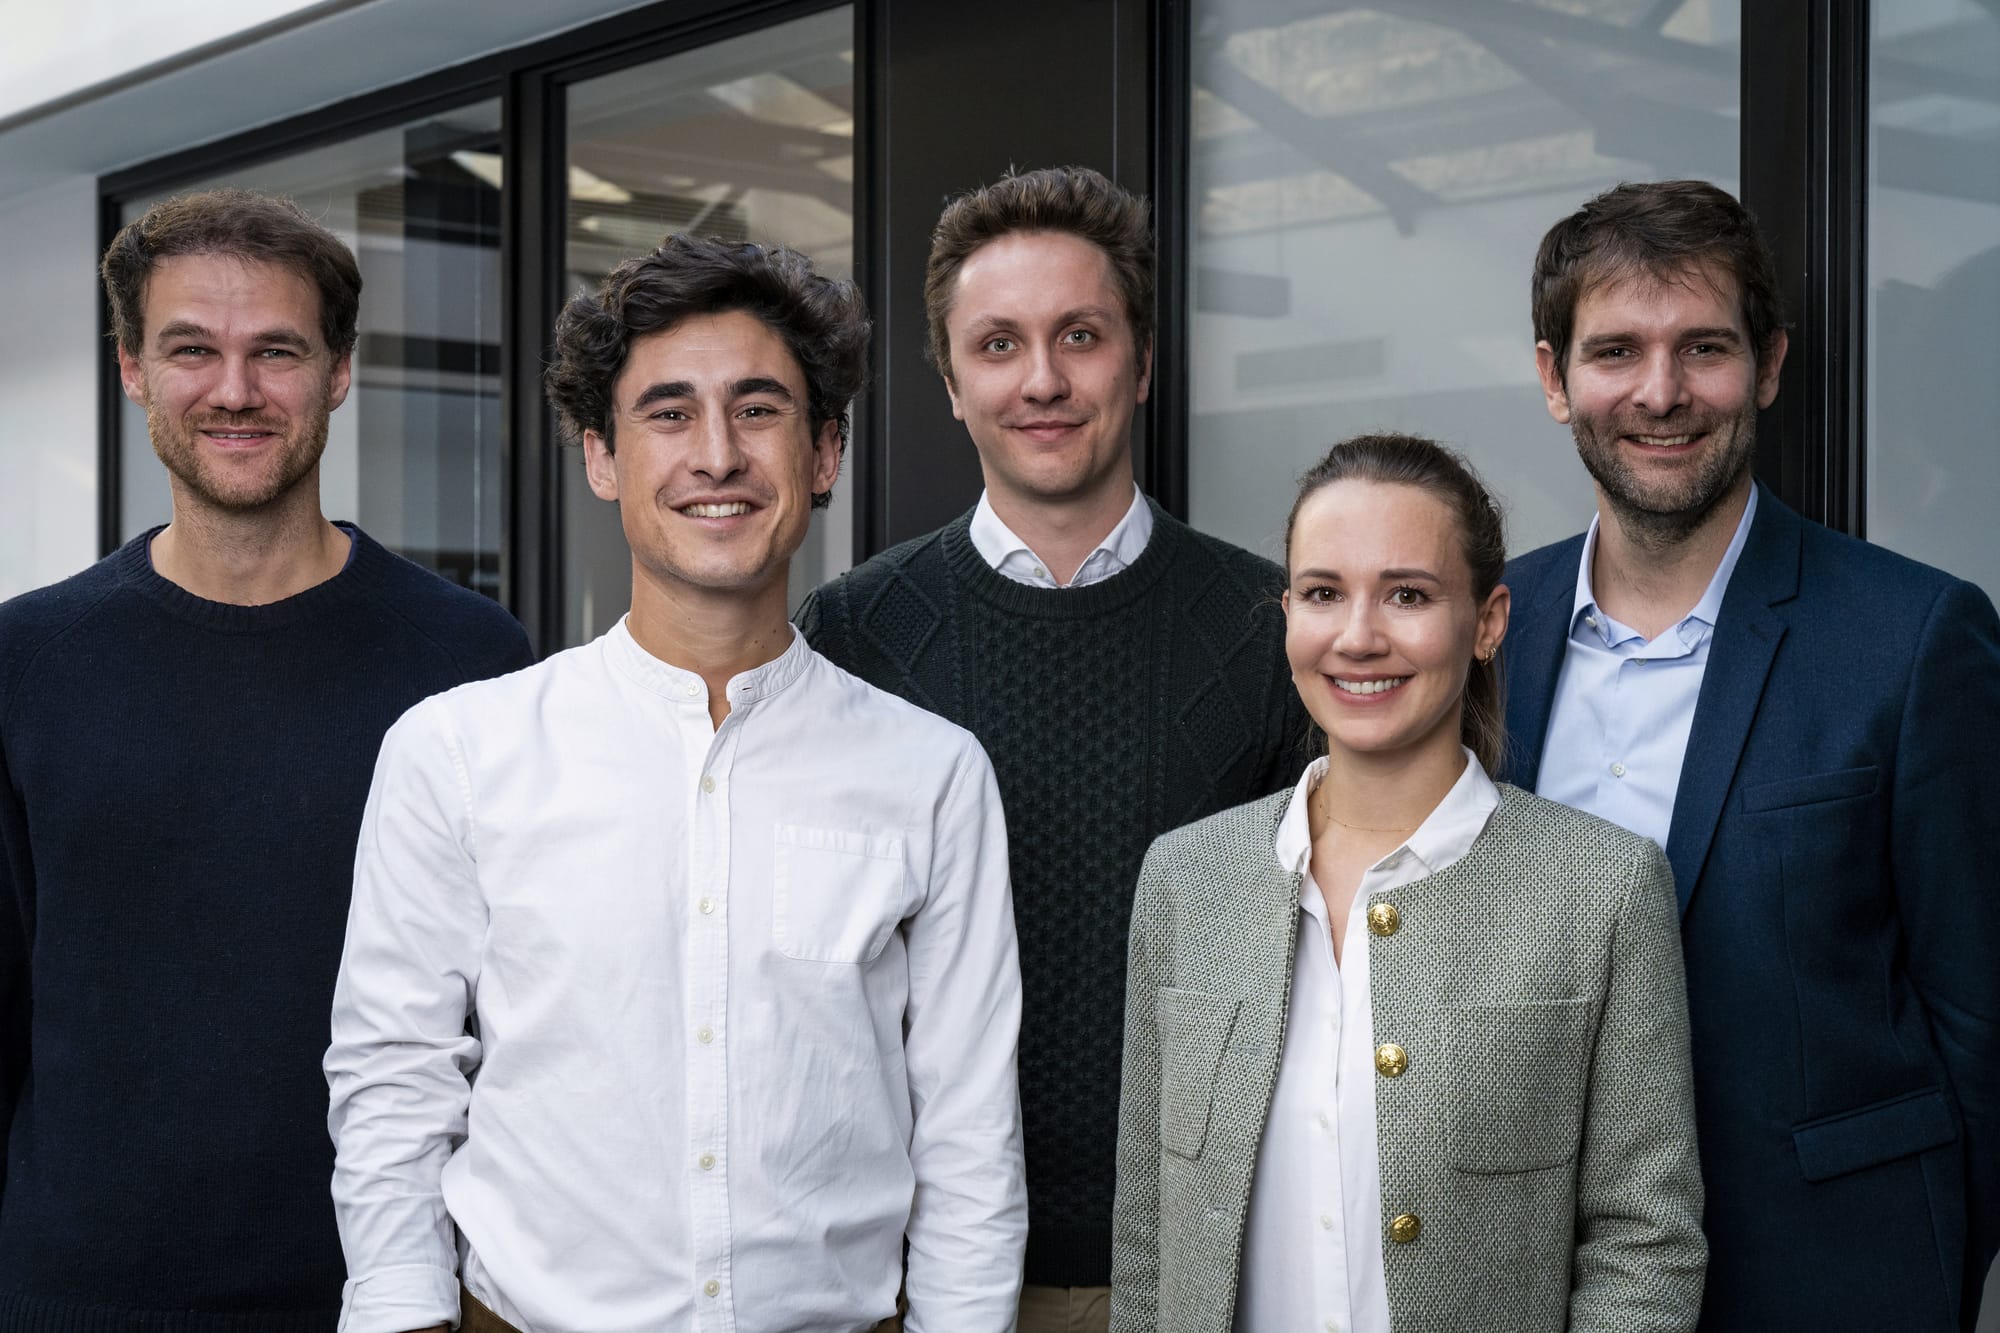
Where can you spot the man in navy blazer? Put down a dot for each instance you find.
(1810, 726)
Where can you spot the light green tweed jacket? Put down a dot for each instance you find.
(1537, 1154)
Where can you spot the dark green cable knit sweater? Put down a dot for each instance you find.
(1112, 713)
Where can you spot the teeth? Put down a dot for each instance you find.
(1664, 441)
(1369, 686)
(716, 511)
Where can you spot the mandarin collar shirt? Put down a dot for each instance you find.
(1312, 1250)
(645, 1023)
(1010, 557)
(1624, 707)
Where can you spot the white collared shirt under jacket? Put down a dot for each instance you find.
(743, 1008)
(1312, 1247)
(1012, 558)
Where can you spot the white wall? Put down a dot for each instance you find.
(49, 354)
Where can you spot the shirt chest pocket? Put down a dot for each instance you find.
(836, 895)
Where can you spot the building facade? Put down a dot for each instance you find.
(1347, 198)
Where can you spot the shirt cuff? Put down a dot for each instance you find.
(399, 1299)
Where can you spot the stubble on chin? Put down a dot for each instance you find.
(1661, 517)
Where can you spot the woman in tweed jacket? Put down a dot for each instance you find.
(1405, 1052)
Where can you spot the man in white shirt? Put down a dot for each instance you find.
(1126, 673)
(680, 989)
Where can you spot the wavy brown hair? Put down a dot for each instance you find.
(1072, 200)
(242, 224)
(822, 320)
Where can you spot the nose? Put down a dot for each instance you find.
(716, 452)
(1046, 382)
(1662, 385)
(235, 387)
(1360, 631)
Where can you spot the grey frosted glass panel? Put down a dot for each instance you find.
(414, 455)
(1933, 392)
(1368, 189)
(746, 139)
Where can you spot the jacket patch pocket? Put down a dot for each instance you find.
(1194, 1032)
(836, 895)
(1518, 1075)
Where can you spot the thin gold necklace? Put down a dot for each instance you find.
(1326, 809)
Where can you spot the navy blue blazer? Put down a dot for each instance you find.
(1836, 849)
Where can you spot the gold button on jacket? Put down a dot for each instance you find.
(1404, 1228)
(1383, 919)
(1391, 1060)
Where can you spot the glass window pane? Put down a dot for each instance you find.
(746, 139)
(414, 455)
(1369, 186)
(1934, 284)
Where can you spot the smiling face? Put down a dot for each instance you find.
(236, 382)
(1381, 621)
(711, 457)
(1662, 393)
(1045, 372)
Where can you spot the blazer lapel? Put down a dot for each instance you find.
(1534, 659)
(1747, 633)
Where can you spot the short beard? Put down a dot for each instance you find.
(1665, 519)
(173, 441)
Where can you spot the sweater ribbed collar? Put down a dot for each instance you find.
(367, 569)
(980, 579)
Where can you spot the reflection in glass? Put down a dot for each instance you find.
(414, 456)
(746, 139)
(1368, 189)
(1934, 284)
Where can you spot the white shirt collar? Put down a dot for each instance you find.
(1446, 834)
(687, 687)
(1011, 557)
(1705, 611)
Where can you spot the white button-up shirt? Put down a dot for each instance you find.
(1011, 558)
(743, 1006)
(1312, 1250)
(1618, 729)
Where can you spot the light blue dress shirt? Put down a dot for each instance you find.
(1624, 707)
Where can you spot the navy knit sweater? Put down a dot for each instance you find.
(181, 784)
(1113, 713)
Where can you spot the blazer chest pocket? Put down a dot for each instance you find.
(1518, 1075)
(836, 895)
(1810, 789)
(1194, 1031)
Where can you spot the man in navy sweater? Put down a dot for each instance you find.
(187, 731)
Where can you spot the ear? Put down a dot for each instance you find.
(132, 377)
(1767, 370)
(340, 380)
(952, 389)
(1146, 371)
(1553, 391)
(826, 457)
(600, 466)
(1493, 621)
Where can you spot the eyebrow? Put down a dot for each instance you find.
(663, 390)
(187, 329)
(1333, 575)
(984, 324)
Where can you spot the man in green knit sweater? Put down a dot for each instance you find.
(1125, 673)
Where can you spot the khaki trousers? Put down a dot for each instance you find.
(1065, 1310)
(476, 1318)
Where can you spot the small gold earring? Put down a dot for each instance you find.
(1486, 658)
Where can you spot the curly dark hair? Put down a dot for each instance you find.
(1660, 229)
(1074, 200)
(245, 225)
(821, 319)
